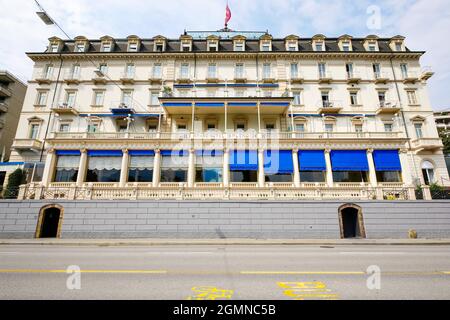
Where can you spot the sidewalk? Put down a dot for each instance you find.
(161, 242)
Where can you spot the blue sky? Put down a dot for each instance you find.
(424, 23)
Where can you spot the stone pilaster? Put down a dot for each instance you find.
(82, 167)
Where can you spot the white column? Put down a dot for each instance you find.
(296, 168)
(226, 167)
(259, 117)
(49, 168)
(191, 168)
(406, 170)
(329, 168)
(124, 169)
(372, 171)
(261, 175)
(82, 168)
(157, 168)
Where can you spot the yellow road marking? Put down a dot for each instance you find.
(304, 272)
(82, 271)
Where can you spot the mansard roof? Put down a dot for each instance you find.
(200, 38)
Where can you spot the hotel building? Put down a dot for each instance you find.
(228, 115)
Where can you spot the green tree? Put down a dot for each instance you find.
(445, 136)
(15, 180)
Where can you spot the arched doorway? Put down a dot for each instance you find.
(49, 222)
(351, 221)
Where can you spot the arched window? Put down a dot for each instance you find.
(428, 172)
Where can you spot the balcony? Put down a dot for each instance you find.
(297, 78)
(3, 107)
(329, 107)
(353, 77)
(44, 78)
(27, 144)
(381, 77)
(427, 73)
(184, 78)
(230, 135)
(99, 77)
(268, 78)
(65, 108)
(4, 91)
(127, 78)
(410, 78)
(325, 77)
(212, 77)
(122, 108)
(390, 107)
(240, 77)
(155, 78)
(72, 78)
(426, 144)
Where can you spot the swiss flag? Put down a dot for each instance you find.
(227, 15)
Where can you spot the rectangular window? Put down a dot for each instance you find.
(350, 176)
(70, 99)
(325, 99)
(157, 71)
(372, 46)
(319, 46)
(104, 169)
(54, 48)
(127, 98)
(300, 127)
(186, 47)
(212, 71)
(103, 67)
(292, 47)
(34, 130)
(64, 127)
(329, 127)
(418, 129)
(67, 169)
(294, 70)
(388, 127)
(92, 127)
(349, 69)
(184, 71)
(297, 98)
(42, 98)
(266, 47)
(130, 70)
(322, 70)
(239, 46)
(208, 168)
(353, 98)
(239, 70)
(154, 98)
(48, 73)
(266, 71)
(398, 46)
(75, 71)
(159, 48)
(174, 168)
(404, 69)
(377, 70)
(106, 47)
(81, 47)
(412, 99)
(358, 128)
(346, 46)
(133, 47)
(98, 98)
(382, 98)
(141, 169)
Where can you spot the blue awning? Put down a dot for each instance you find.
(141, 152)
(278, 162)
(349, 160)
(243, 160)
(68, 152)
(105, 153)
(175, 153)
(387, 160)
(312, 160)
(208, 153)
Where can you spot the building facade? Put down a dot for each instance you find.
(12, 95)
(228, 115)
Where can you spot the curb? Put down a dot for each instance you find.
(165, 242)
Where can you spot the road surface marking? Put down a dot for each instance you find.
(210, 293)
(304, 272)
(307, 290)
(82, 271)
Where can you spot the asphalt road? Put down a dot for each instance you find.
(225, 272)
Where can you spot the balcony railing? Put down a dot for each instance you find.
(324, 76)
(128, 77)
(236, 191)
(240, 76)
(65, 108)
(155, 77)
(353, 77)
(410, 77)
(427, 73)
(329, 106)
(388, 107)
(44, 77)
(297, 77)
(27, 144)
(236, 135)
(427, 144)
(72, 77)
(381, 77)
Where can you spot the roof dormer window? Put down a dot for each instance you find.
(372, 46)
(54, 48)
(80, 47)
(265, 47)
(213, 46)
(106, 47)
(239, 43)
(319, 46)
(291, 43)
(186, 47)
(133, 47)
(346, 46)
(239, 46)
(159, 44)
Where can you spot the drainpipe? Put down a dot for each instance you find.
(404, 120)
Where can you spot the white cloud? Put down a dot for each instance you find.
(423, 22)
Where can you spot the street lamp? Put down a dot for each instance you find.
(45, 18)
